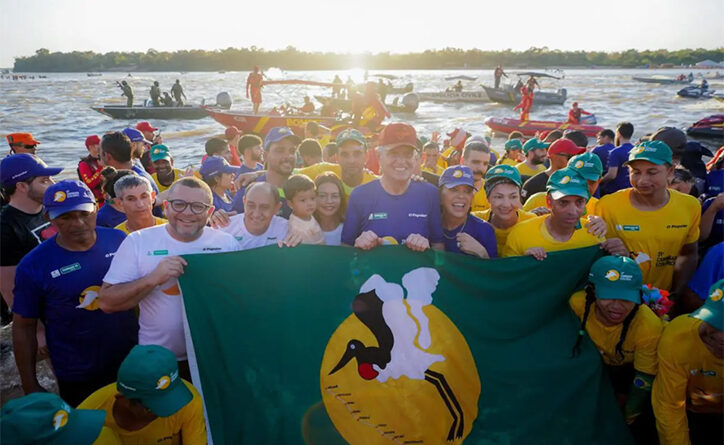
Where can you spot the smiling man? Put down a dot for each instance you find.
(145, 269)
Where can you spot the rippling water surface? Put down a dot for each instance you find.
(57, 109)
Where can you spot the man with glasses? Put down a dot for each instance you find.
(559, 153)
(145, 269)
(22, 143)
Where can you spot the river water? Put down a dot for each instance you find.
(57, 110)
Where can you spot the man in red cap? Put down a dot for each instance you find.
(89, 167)
(149, 134)
(574, 114)
(22, 143)
(233, 135)
(559, 153)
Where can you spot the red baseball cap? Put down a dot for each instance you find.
(92, 140)
(232, 132)
(21, 138)
(565, 146)
(398, 134)
(145, 126)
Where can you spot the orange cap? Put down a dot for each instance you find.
(21, 138)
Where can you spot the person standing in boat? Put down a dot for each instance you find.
(532, 83)
(156, 94)
(526, 102)
(127, 91)
(574, 114)
(178, 92)
(499, 73)
(337, 88)
(253, 86)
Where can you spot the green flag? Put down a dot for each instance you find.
(326, 345)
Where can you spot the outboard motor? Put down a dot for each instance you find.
(563, 92)
(410, 101)
(223, 100)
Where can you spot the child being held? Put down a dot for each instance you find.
(301, 197)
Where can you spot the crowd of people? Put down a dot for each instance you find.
(90, 265)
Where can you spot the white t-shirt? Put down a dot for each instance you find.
(310, 230)
(160, 312)
(334, 237)
(276, 231)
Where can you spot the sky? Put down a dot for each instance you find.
(397, 26)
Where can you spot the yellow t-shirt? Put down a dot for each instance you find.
(437, 171)
(188, 421)
(639, 346)
(441, 162)
(654, 238)
(317, 169)
(508, 161)
(534, 233)
(539, 200)
(501, 235)
(177, 174)
(480, 200)
(524, 170)
(690, 377)
(123, 228)
(107, 437)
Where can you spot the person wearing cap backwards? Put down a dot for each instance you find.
(535, 155)
(22, 143)
(394, 209)
(513, 153)
(117, 151)
(559, 152)
(502, 187)
(462, 232)
(219, 175)
(136, 199)
(616, 177)
(624, 331)
(563, 229)
(58, 284)
(574, 114)
(150, 403)
(165, 174)
(44, 418)
(233, 135)
(659, 226)
(145, 268)
(251, 153)
(688, 392)
(89, 167)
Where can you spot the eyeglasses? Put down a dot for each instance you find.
(179, 205)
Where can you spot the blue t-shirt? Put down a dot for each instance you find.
(244, 169)
(109, 217)
(221, 204)
(417, 210)
(616, 158)
(714, 183)
(603, 152)
(237, 203)
(60, 287)
(482, 231)
(709, 272)
(717, 227)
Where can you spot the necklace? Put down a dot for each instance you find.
(456, 233)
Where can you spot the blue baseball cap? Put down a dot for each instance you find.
(216, 165)
(19, 167)
(276, 134)
(67, 196)
(457, 175)
(135, 135)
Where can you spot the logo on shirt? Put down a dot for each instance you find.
(417, 215)
(172, 290)
(89, 298)
(663, 260)
(211, 249)
(703, 372)
(156, 252)
(381, 215)
(60, 419)
(716, 295)
(108, 255)
(677, 226)
(65, 270)
(59, 196)
(628, 228)
(640, 257)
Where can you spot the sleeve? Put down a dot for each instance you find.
(124, 267)
(709, 272)
(92, 180)
(11, 249)
(27, 293)
(512, 245)
(193, 423)
(435, 216)
(645, 358)
(693, 235)
(488, 240)
(615, 159)
(352, 221)
(669, 399)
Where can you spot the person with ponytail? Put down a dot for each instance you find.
(625, 332)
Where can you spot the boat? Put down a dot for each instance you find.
(711, 127)
(460, 78)
(508, 95)
(93, 74)
(530, 128)
(661, 80)
(694, 92)
(478, 96)
(146, 111)
(408, 104)
(400, 90)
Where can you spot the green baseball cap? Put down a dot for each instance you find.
(150, 374)
(160, 151)
(43, 417)
(712, 311)
(513, 144)
(616, 278)
(656, 152)
(587, 165)
(534, 144)
(351, 135)
(567, 182)
(501, 173)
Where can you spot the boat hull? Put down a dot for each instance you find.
(511, 96)
(454, 96)
(660, 81)
(530, 128)
(118, 112)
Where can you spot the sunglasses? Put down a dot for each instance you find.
(34, 146)
(179, 205)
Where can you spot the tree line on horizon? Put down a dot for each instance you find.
(290, 58)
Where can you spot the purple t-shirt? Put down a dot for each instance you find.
(482, 231)
(244, 169)
(603, 152)
(220, 204)
(617, 157)
(417, 210)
